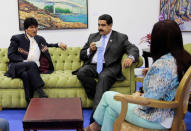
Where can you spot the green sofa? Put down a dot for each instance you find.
(188, 47)
(61, 83)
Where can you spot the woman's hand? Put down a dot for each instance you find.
(137, 93)
(145, 70)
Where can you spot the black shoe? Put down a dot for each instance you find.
(41, 93)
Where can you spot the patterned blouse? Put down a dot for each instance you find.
(160, 83)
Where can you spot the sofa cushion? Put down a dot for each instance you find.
(60, 79)
(57, 79)
(187, 47)
(7, 82)
(66, 60)
(4, 59)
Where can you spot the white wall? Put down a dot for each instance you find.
(132, 17)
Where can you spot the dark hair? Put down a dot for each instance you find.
(166, 37)
(29, 22)
(107, 18)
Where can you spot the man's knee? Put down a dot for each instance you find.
(32, 65)
(24, 75)
(81, 74)
(103, 76)
(106, 76)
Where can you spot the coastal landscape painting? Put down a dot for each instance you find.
(55, 14)
(177, 10)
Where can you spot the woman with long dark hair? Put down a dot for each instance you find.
(161, 81)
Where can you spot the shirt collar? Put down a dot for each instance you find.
(29, 37)
(108, 35)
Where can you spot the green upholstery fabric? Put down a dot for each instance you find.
(187, 47)
(61, 83)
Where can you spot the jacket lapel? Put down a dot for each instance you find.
(38, 42)
(26, 37)
(110, 41)
(26, 42)
(43, 48)
(97, 38)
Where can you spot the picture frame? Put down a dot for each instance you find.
(55, 14)
(177, 10)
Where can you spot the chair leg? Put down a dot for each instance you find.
(183, 126)
(189, 104)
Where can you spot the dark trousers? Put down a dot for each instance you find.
(95, 90)
(30, 75)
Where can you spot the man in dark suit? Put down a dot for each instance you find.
(28, 57)
(107, 46)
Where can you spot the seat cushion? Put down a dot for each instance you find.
(58, 79)
(7, 82)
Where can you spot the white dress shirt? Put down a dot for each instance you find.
(34, 51)
(94, 59)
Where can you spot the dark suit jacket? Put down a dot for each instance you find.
(118, 44)
(19, 49)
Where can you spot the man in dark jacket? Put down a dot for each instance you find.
(28, 57)
(102, 56)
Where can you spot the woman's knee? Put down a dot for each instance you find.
(111, 113)
(109, 94)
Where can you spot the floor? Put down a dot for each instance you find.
(15, 117)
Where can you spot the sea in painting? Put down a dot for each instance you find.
(55, 14)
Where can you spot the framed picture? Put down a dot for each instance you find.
(55, 14)
(177, 10)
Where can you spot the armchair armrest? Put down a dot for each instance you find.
(128, 73)
(137, 64)
(125, 99)
(145, 101)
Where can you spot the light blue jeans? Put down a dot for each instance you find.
(109, 109)
(4, 125)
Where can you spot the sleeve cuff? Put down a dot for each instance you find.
(88, 51)
(59, 44)
(132, 57)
